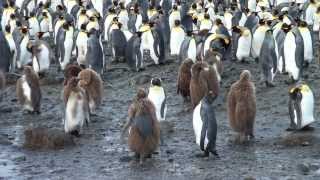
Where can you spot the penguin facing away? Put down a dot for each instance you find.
(91, 82)
(81, 46)
(158, 97)
(76, 107)
(28, 91)
(144, 132)
(205, 125)
(133, 53)
(241, 103)
(301, 107)
(95, 55)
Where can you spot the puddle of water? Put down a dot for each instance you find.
(7, 167)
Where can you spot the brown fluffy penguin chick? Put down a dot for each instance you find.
(213, 58)
(144, 133)
(203, 80)
(184, 77)
(91, 82)
(242, 107)
(28, 90)
(72, 70)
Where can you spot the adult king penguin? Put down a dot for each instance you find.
(95, 55)
(301, 106)
(188, 48)
(82, 46)
(158, 97)
(176, 39)
(133, 53)
(65, 44)
(205, 124)
(307, 42)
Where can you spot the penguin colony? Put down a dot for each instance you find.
(278, 35)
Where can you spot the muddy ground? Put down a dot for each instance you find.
(99, 153)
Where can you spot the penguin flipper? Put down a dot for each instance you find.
(144, 124)
(204, 128)
(163, 107)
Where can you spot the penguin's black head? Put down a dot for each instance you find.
(139, 33)
(262, 22)
(122, 6)
(156, 82)
(40, 34)
(32, 14)
(83, 11)
(175, 7)
(189, 33)
(65, 26)
(112, 10)
(7, 28)
(286, 28)
(115, 3)
(295, 94)
(178, 2)
(11, 3)
(275, 12)
(218, 22)
(302, 24)
(210, 1)
(92, 18)
(236, 29)
(5, 5)
(177, 22)
(40, 4)
(269, 22)
(210, 97)
(119, 25)
(44, 14)
(194, 6)
(18, 23)
(280, 17)
(318, 9)
(263, 8)
(206, 16)
(24, 30)
(12, 16)
(83, 27)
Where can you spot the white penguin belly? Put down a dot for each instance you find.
(307, 108)
(307, 44)
(75, 116)
(157, 97)
(197, 125)
(27, 94)
(257, 42)
(289, 54)
(44, 58)
(176, 40)
(192, 50)
(244, 47)
(25, 55)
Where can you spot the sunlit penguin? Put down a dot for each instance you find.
(123, 16)
(91, 82)
(176, 39)
(174, 15)
(188, 48)
(158, 97)
(33, 25)
(57, 25)
(294, 54)
(95, 55)
(310, 10)
(206, 23)
(41, 55)
(184, 78)
(93, 24)
(13, 48)
(301, 107)
(242, 45)
(82, 19)
(241, 103)
(269, 58)
(144, 129)
(76, 107)
(28, 91)
(25, 55)
(205, 125)
(65, 44)
(258, 37)
(12, 22)
(108, 22)
(45, 25)
(307, 42)
(148, 42)
(82, 46)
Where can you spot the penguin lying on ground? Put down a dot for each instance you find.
(184, 78)
(205, 125)
(28, 90)
(144, 132)
(76, 107)
(91, 82)
(301, 107)
(242, 107)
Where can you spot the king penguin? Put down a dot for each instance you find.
(157, 95)
(205, 125)
(243, 43)
(13, 48)
(301, 106)
(65, 44)
(25, 55)
(188, 49)
(81, 46)
(95, 56)
(5, 53)
(307, 42)
(176, 39)
(258, 38)
(133, 53)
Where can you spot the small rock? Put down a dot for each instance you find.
(20, 159)
(249, 178)
(304, 168)
(169, 151)
(170, 160)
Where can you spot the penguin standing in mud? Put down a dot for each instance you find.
(184, 78)
(91, 82)
(269, 58)
(25, 55)
(133, 53)
(301, 107)
(294, 54)
(41, 55)
(65, 44)
(307, 42)
(203, 80)
(158, 97)
(95, 55)
(28, 90)
(118, 43)
(205, 125)
(149, 42)
(76, 107)
(176, 39)
(82, 46)
(13, 48)
(144, 132)
(188, 48)
(242, 107)
(213, 58)
(241, 42)
(258, 39)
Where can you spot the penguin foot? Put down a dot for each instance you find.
(214, 152)
(75, 133)
(269, 84)
(203, 155)
(291, 128)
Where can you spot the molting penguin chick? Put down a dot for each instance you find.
(71, 70)
(242, 106)
(184, 78)
(157, 96)
(205, 124)
(203, 80)
(76, 107)
(301, 107)
(144, 133)
(28, 90)
(213, 58)
(91, 82)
